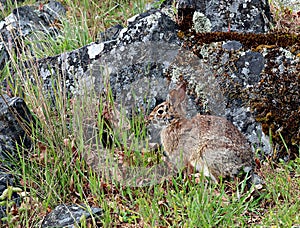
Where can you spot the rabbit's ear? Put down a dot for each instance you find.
(177, 98)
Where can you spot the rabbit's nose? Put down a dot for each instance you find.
(170, 118)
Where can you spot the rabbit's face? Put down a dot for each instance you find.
(170, 111)
(161, 115)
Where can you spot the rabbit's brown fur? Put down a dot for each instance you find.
(210, 144)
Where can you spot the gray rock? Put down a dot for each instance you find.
(8, 180)
(140, 50)
(28, 21)
(250, 67)
(242, 16)
(69, 215)
(232, 45)
(14, 118)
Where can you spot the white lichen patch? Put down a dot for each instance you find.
(169, 12)
(2, 23)
(45, 73)
(124, 30)
(132, 19)
(152, 20)
(201, 23)
(94, 50)
(287, 53)
(207, 49)
(10, 22)
(245, 71)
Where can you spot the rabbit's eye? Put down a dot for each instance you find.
(160, 111)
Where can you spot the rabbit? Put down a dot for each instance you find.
(205, 143)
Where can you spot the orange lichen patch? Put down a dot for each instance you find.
(261, 47)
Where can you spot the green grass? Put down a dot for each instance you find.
(56, 172)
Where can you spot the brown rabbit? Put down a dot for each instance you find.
(208, 144)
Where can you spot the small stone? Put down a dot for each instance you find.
(68, 215)
(232, 45)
